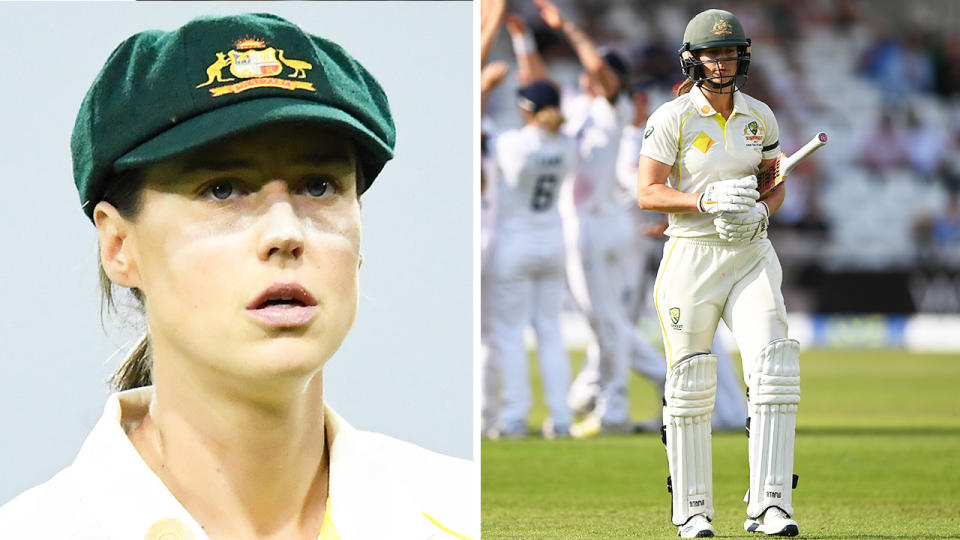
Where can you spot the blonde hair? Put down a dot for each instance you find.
(685, 87)
(549, 119)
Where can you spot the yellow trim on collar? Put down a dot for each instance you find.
(723, 126)
(444, 529)
(328, 531)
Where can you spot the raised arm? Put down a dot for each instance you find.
(597, 69)
(530, 66)
(491, 15)
(491, 75)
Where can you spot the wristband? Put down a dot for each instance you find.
(523, 43)
(699, 203)
(766, 207)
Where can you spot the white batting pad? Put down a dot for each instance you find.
(689, 394)
(774, 396)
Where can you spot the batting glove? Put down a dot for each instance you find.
(737, 195)
(743, 226)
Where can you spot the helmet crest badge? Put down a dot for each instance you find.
(722, 27)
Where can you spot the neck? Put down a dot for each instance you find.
(243, 468)
(722, 103)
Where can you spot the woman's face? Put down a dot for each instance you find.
(247, 251)
(724, 68)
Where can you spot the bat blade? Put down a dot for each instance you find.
(776, 173)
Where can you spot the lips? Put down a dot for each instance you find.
(283, 305)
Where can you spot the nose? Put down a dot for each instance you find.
(281, 228)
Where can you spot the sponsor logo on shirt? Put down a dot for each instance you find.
(753, 134)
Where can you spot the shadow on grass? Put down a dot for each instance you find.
(871, 431)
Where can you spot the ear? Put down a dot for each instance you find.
(116, 247)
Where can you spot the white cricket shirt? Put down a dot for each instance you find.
(704, 148)
(533, 164)
(379, 488)
(596, 123)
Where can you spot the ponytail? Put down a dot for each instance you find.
(549, 119)
(685, 87)
(136, 369)
(124, 193)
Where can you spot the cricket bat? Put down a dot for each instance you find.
(776, 173)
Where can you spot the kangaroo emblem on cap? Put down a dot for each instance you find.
(253, 60)
(215, 71)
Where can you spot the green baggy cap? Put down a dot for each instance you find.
(163, 93)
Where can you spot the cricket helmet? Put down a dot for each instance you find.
(709, 29)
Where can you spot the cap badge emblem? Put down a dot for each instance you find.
(722, 27)
(257, 66)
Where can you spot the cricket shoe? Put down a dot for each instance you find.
(515, 430)
(554, 431)
(582, 397)
(593, 425)
(772, 521)
(696, 527)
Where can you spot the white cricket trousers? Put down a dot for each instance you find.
(702, 280)
(597, 281)
(527, 286)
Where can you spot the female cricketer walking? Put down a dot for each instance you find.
(222, 165)
(698, 163)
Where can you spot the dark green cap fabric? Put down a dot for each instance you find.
(163, 93)
(714, 28)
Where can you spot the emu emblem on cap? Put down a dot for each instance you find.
(251, 59)
(722, 27)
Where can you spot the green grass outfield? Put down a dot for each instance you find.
(877, 451)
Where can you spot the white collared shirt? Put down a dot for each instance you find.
(596, 123)
(380, 487)
(703, 148)
(534, 164)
